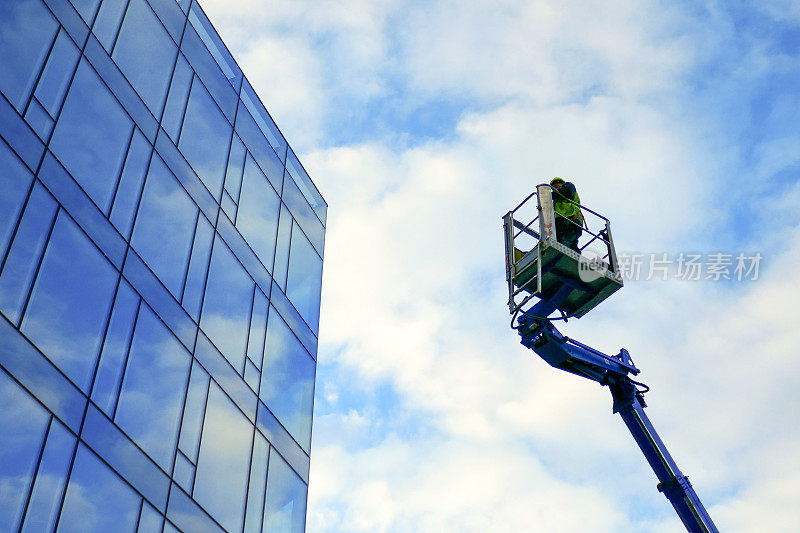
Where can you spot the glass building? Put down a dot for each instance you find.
(160, 268)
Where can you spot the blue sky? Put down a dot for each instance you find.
(422, 123)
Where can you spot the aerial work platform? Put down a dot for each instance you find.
(544, 276)
(537, 265)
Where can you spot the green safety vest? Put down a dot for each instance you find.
(567, 209)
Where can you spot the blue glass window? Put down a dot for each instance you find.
(233, 177)
(15, 179)
(97, 499)
(303, 214)
(226, 307)
(57, 72)
(146, 54)
(285, 511)
(23, 424)
(257, 219)
(282, 252)
(165, 226)
(258, 329)
(39, 120)
(115, 349)
(27, 30)
(25, 252)
(149, 520)
(184, 472)
(92, 135)
(221, 479)
(152, 390)
(130, 184)
(107, 22)
(198, 267)
(205, 137)
(70, 302)
(192, 423)
(87, 9)
(287, 380)
(305, 279)
(258, 482)
(50, 479)
(176, 101)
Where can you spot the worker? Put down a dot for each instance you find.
(569, 219)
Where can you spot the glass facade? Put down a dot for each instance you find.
(160, 270)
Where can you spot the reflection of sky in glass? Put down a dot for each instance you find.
(164, 226)
(152, 389)
(14, 182)
(287, 380)
(97, 499)
(226, 308)
(22, 426)
(145, 53)
(305, 279)
(70, 302)
(221, 479)
(285, 510)
(205, 137)
(50, 480)
(257, 219)
(92, 135)
(26, 30)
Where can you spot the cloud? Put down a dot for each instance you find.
(430, 416)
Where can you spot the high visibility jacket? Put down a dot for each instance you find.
(566, 208)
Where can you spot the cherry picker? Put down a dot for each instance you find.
(551, 281)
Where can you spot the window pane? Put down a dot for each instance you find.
(285, 511)
(14, 182)
(221, 479)
(287, 380)
(193, 412)
(165, 226)
(205, 137)
(97, 499)
(25, 252)
(70, 302)
(152, 390)
(26, 30)
(50, 480)
(305, 279)
(259, 207)
(226, 308)
(146, 54)
(23, 423)
(258, 480)
(87, 9)
(107, 22)
(57, 73)
(92, 135)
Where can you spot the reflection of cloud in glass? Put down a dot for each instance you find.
(146, 54)
(257, 218)
(14, 182)
(153, 387)
(97, 499)
(164, 226)
(22, 426)
(287, 380)
(26, 30)
(205, 137)
(305, 279)
(285, 510)
(70, 302)
(226, 307)
(221, 479)
(91, 136)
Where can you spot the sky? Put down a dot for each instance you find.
(422, 123)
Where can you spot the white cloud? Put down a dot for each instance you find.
(413, 284)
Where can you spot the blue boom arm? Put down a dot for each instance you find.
(567, 354)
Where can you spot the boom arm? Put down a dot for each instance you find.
(564, 353)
